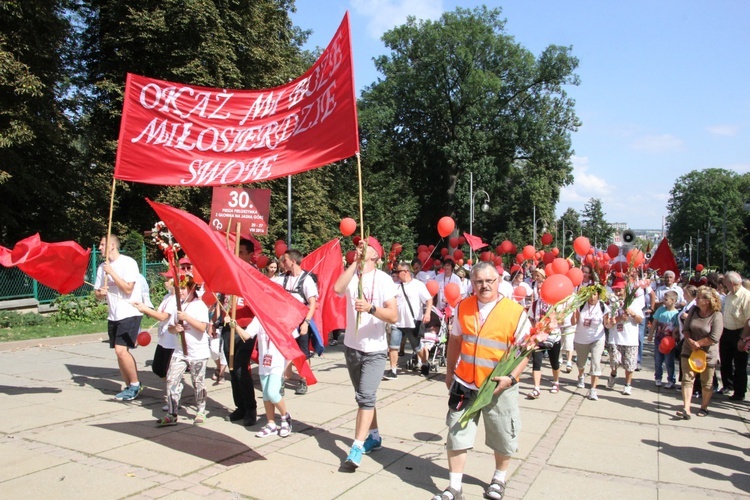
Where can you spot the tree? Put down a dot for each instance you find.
(712, 196)
(459, 95)
(594, 226)
(569, 220)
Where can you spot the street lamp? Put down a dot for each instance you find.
(544, 225)
(709, 231)
(567, 235)
(485, 207)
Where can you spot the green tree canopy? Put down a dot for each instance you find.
(594, 225)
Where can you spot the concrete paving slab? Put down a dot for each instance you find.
(88, 437)
(556, 483)
(30, 417)
(18, 462)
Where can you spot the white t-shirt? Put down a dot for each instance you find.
(168, 305)
(505, 288)
(627, 333)
(524, 325)
(466, 288)
(537, 311)
(270, 359)
(309, 288)
(378, 288)
(197, 341)
(120, 306)
(590, 326)
(418, 295)
(442, 280)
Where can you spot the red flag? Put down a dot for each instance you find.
(61, 266)
(475, 242)
(278, 312)
(663, 259)
(175, 134)
(327, 265)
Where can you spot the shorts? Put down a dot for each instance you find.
(366, 372)
(502, 425)
(397, 333)
(162, 358)
(124, 332)
(595, 349)
(623, 355)
(303, 341)
(688, 375)
(426, 344)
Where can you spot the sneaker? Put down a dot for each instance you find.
(638, 367)
(627, 390)
(301, 388)
(390, 375)
(372, 444)
(657, 383)
(354, 458)
(286, 426)
(581, 382)
(568, 368)
(425, 370)
(592, 395)
(333, 342)
(167, 420)
(200, 419)
(130, 393)
(267, 430)
(611, 381)
(670, 385)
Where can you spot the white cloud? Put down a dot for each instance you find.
(585, 185)
(727, 130)
(740, 168)
(385, 14)
(663, 143)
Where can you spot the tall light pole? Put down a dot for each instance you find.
(709, 231)
(535, 220)
(485, 207)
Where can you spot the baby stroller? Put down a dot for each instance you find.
(435, 332)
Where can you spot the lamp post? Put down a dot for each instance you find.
(544, 225)
(698, 241)
(709, 231)
(567, 236)
(485, 207)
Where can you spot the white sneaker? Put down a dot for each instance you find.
(592, 395)
(657, 383)
(670, 385)
(611, 381)
(581, 382)
(627, 390)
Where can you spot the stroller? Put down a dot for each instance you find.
(437, 331)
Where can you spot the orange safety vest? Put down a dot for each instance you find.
(483, 346)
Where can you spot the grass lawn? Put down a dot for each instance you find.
(51, 329)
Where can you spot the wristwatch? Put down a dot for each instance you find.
(372, 310)
(513, 380)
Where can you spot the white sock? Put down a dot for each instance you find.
(500, 475)
(361, 444)
(375, 434)
(455, 479)
(272, 424)
(135, 384)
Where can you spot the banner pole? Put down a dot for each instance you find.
(361, 265)
(234, 305)
(109, 223)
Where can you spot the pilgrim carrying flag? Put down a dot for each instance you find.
(61, 266)
(278, 312)
(326, 263)
(183, 135)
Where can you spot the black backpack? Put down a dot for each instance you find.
(299, 288)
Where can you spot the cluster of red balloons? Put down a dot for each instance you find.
(279, 248)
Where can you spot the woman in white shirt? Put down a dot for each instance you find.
(591, 320)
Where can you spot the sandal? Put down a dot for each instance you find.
(266, 431)
(534, 394)
(449, 494)
(568, 368)
(200, 419)
(683, 414)
(703, 412)
(555, 387)
(495, 490)
(167, 420)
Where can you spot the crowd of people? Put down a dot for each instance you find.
(496, 310)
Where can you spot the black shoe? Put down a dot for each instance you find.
(301, 388)
(250, 419)
(737, 397)
(425, 369)
(236, 415)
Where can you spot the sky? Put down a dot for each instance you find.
(664, 85)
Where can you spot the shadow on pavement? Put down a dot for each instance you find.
(693, 455)
(15, 391)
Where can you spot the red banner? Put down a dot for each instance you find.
(175, 134)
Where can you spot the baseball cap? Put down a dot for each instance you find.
(375, 244)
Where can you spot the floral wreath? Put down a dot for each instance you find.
(159, 233)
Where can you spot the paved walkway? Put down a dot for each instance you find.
(64, 436)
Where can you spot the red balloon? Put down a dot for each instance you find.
(560, 266)
(445, 226)
(432, 287)
(347, 226)
(350, 256)
(470, 262)
(520, 292)
(537, 256)
(422, 248)
(452, 293)
(499, 250)
(453, 242)
(423, 256)
(280, 248)
(548, 270)
(461, 240)
(581, 245)
(460, 261)
(397, 248)
(528, 252)
(699, 268)
(575, 275)
(507, 247)
(547, 239)
(261, 261)
(143, 338)
(485, 256)
(443, 252)
(428, 263)
(666, 345)
(431, 248)
(458, 255)
(356, 240)
(555, 251)
(513, 249)
(498, 261)
(635, 257)
(613, 250)
(519, 258)
(548, 258)
(556, 288)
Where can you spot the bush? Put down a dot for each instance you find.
(10, 319)
(71, 308)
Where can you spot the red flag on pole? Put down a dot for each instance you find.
(475, 242)
(278, 312)
(61, 266)
(175, 134)
(327, 265)
(663, 259)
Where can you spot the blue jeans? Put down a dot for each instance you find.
(641, 336)
(660, 359)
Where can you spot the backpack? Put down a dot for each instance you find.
(301, 281)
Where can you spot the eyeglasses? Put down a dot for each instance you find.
(402, 271)
(484, 282)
